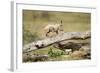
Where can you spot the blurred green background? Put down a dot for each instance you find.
(35, 21)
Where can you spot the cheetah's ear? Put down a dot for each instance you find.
(61, 21)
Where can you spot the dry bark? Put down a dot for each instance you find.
(55, 39)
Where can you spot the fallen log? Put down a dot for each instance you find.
(72, 44)
(60, 37)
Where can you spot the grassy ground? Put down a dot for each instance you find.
(35, 21)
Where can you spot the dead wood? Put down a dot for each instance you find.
(59, 38)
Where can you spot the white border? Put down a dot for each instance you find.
(17, 38)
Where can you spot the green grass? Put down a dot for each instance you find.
(35, 21)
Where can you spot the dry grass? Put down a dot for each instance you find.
(35, 21)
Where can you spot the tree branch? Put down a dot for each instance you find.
(60, 37)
